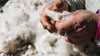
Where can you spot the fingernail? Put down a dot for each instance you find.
(48, 28)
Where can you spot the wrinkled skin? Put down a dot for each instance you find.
(80, 28)
(57, 5)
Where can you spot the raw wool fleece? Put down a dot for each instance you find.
(20, 28)
(54, 15)
(21, 33)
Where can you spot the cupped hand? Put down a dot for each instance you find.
(80, 28)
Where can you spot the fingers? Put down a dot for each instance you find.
(60, 17)
(66, 38)
(53, 22)
(50, 26)
(61, 33)
(46, 26)
(58, 26)
(53, 30)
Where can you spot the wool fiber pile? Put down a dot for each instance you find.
(21, 33)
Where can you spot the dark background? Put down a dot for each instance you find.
(2, 2)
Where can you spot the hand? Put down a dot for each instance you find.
(59, 28)
(60, 17)
(81, 28)
(53, 28)
(50, 26)
(57, 5)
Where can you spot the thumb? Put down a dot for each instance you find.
(61, 33)
(66, 38)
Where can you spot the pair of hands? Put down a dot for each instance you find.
(80, 29)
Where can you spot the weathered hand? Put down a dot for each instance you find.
(53, 28)
(60, 17)
(80, 28)
(57, 5)
(59, 28)
(49, 25)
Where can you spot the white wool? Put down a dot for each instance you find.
(31, 51)
(53, 44)
(22, 25)
(44, 42)
(63, 48)
(3, 54)
(22, 32)
(54, 15)
(15, 27)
